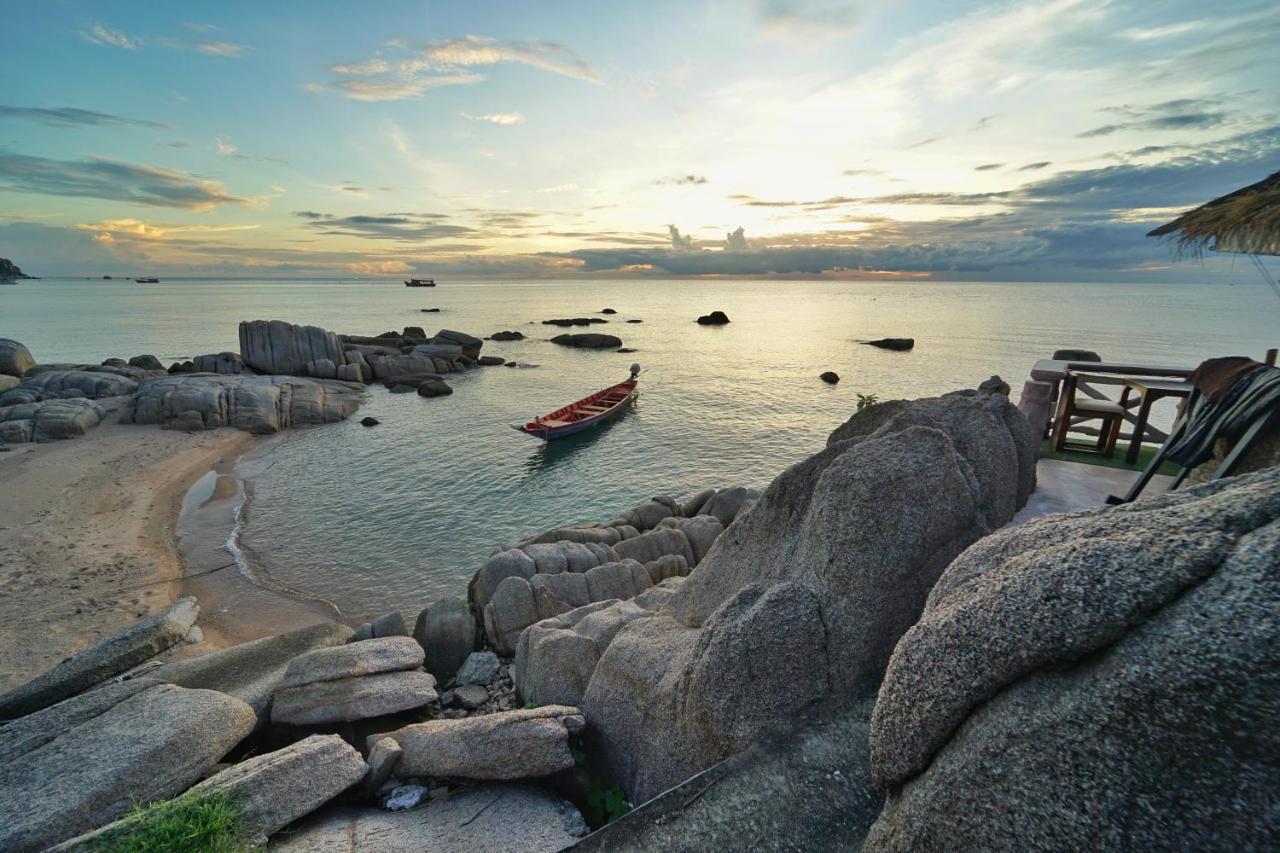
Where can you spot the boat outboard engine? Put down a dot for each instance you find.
(635, 371)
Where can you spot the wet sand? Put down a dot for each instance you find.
(234, 605)
(87, 536)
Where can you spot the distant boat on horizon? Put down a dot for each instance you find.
(147, 280)
(420, 282)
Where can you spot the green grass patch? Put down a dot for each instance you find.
(208, 823)
(1085, 457)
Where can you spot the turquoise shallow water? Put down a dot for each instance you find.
(395, 515)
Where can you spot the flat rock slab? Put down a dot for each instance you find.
(272, 790)
(252, 671)
(507, 745)
(109, 656)
(148, 746)
(367, 657)
(513, 818)
(349, 699)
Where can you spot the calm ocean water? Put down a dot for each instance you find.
(394, 516)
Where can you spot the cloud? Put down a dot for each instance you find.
(1178, 114)
(225, 146)
(806, 20)
(351, 187)
(401, 227)
(479, 50)
(98, 34)
(1034, 167)
(379, 267)
(98, 177)
(224, 49)
(374, 90)
(497, 118)
(987, 167)
(679, 242)
(73, 117)
(560, 188)
(402, 72)
(143, 230)
(736, 241)
(683, 180)
(922, 143)
(864, 172)
(197, 27)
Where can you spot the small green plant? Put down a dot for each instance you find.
(605, 805)
(866, 401)
(208, 823)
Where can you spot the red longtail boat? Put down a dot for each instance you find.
(586, 413)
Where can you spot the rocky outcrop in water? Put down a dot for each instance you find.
(897, 344)
(227, 363)
(277, 347)
(715, 318)
(256, 404)
(15, 359)
(588, 340)
(1094, 680)
(11, 271)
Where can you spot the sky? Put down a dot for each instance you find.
(916, 139)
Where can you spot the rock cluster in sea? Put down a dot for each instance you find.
(861, 656)
(285, 376)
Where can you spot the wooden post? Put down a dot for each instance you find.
(1271, 357)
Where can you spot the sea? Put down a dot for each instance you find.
(397, 515)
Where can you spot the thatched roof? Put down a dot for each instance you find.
(1247, 220)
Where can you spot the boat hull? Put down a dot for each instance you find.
(556, 428)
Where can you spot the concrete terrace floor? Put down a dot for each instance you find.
(1072, 486)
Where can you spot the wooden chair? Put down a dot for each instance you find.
(1082, 408)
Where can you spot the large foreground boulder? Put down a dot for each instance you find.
(109, 656)
(256, 404)
(805, 790)
(83, 766)
(802, 598)
(277, 347)
(1097, 680)
(51, 420)
(15, 359)
(513, 818)
(505, 745)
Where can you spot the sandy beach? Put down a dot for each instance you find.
(87, 536)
